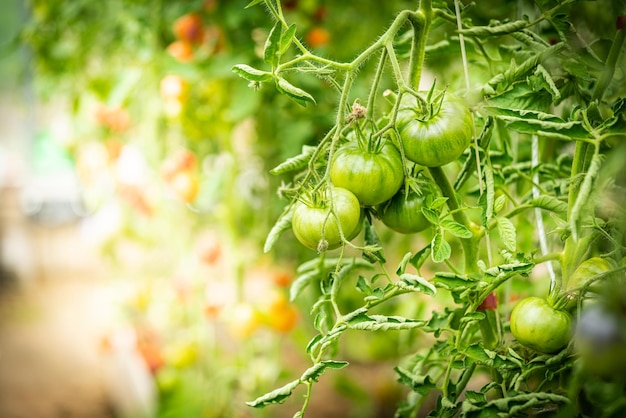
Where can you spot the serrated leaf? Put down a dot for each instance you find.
(286, 38)
(300, 96)
(276, 396)
(383, 323)
(421, 384)
(372, 240)
(415, 283)
(495, 30)
(420, 257)
(271, 51)
(405, 261)
(438, 202)
(499, 203)
(507, 233)
(314, 341)
(295, 163)
(430, 215)
(456, 228)
(251, 74)
(441, 250)
(301, 282)
(314, 372)
(550, 203)
(282, 224)
(363, 286)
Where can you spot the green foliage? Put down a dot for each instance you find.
(543, 127)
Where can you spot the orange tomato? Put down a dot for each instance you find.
(181, 160)
(185, 185)
(317, 37)
(208, 249)
(181, 51)
(189, 28)
(114, 118)
(281, 315)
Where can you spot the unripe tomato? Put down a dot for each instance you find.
(373, 175)
(403, 213)
(313, 221)
(317, 37)
(438, 139)
(189, 28)
(539, 326)
(181, 51)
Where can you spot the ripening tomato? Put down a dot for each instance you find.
(317, 37)
(403, 213)
(317, 228)
(181, 160)
(437, 139)
(539, 326)
(181, 51)
(189, 28)
(281, 315)
(373, 172)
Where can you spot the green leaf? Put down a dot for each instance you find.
(507, 233)
(430, 215)
(276, 396)
(420, 257)
(550, 203)
(372, 240)
(271, 52)
(251, 74)
(286, 38)
(254, 3)
(456, 228)
(383, 323)
(314, 372)
(441, 250)
(295, 163)
(300, 96)
(363, 286)
(405, 260)
(301, 282)
(415, 283)
(499, 204)
(495, 30)
(282, 224)
(421, 384)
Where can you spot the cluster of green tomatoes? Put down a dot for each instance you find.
(367, 170)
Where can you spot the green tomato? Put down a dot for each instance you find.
(318, 229)
(403, 213)
(373, 175)
(539, 326)
(438, 140)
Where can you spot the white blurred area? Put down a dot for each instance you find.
(56, 302)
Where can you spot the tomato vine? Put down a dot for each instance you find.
(534, 92)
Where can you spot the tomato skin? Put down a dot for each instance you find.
(310, 224)
(374, 176)
(439, 140)
(539, 326)
(403, 213)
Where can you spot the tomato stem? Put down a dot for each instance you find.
(469, 247)
(421, 21)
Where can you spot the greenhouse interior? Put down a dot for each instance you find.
(312, 208)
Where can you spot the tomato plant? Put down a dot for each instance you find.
(372, 170)
(434, 134)
(539, 326)
(323, 220)
(518, 152)
(403, 212)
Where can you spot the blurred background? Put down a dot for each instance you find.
(134, 202)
